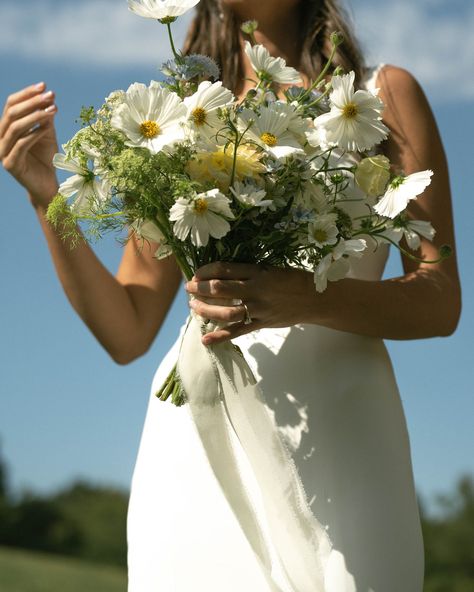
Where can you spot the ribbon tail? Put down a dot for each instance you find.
(200, 380)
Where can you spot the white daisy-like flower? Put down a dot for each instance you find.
(269, 129)
(201, 216)
(202, 107)
(83, 184)
(295, 122)
(161, 9)
(412, 230)
(354, 122)
(149, 231)
(269, 68)
(150, 117)
(400, 191)
(416, 228)
(251, 196)
(323, 230)
(336, 265)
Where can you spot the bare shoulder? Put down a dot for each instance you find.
(415, 141)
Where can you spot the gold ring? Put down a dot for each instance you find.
(247, 318)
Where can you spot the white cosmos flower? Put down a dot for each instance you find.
(201, 216)
(323, 230)
(252, 196)
(336, 265)
(150, 117)
(411, 230)
(269, 68)
(203, 105)
(416, 228)
(400, 191)
(161, 9)
(269, 129)
(83, 184)
(354, 122)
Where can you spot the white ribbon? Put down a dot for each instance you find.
(223, 396)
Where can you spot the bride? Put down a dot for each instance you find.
(322, 366)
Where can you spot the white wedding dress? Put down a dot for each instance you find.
(336, 405)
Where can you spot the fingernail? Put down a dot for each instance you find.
(50, 109)
(47, 95)
(39, 86)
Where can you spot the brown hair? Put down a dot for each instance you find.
(215, 31)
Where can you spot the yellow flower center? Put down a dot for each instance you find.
(200, 206)
(350, 111)
(320, 235)
(199, 116)
(269, 139)
(150, 129)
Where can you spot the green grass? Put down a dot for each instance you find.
(27, 571)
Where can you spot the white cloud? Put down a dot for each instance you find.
(92, 33)
(431, 38)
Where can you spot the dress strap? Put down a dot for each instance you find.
(371, 77)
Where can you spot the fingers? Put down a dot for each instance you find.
(226, 271)
(24, 94)
(230, 332)
(217, 288)
(23, 126)
(219, 313)
(24, 108)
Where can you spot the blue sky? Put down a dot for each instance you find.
(66, 410)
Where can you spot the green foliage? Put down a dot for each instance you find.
(61, 217)
(82, 520)
(449, 541)
(101, 515)
(25, 571)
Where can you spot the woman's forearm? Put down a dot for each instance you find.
(421, 304)
(104, 304)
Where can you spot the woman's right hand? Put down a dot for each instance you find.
(28, 142)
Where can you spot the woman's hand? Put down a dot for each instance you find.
(28, 141)
(274, 297)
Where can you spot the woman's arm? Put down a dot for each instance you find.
(123, 312)
(424, 302)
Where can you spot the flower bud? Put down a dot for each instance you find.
(445, 251)
(373, 174)
(249, 27)
(336, 38)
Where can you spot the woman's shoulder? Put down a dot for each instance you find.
(402, 95)
(397, 86)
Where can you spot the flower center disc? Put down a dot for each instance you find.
(350, 111)
(320, 235)
(269, 139)
(200, 206)
(199, 116)
(150, 129)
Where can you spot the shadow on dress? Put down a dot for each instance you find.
(327, 397)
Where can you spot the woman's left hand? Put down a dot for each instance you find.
(274, 297)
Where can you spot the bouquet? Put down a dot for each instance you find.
(284, 177)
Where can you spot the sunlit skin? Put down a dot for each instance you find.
(125, 311)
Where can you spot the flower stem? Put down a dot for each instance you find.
(320, 77)
(173, 48)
